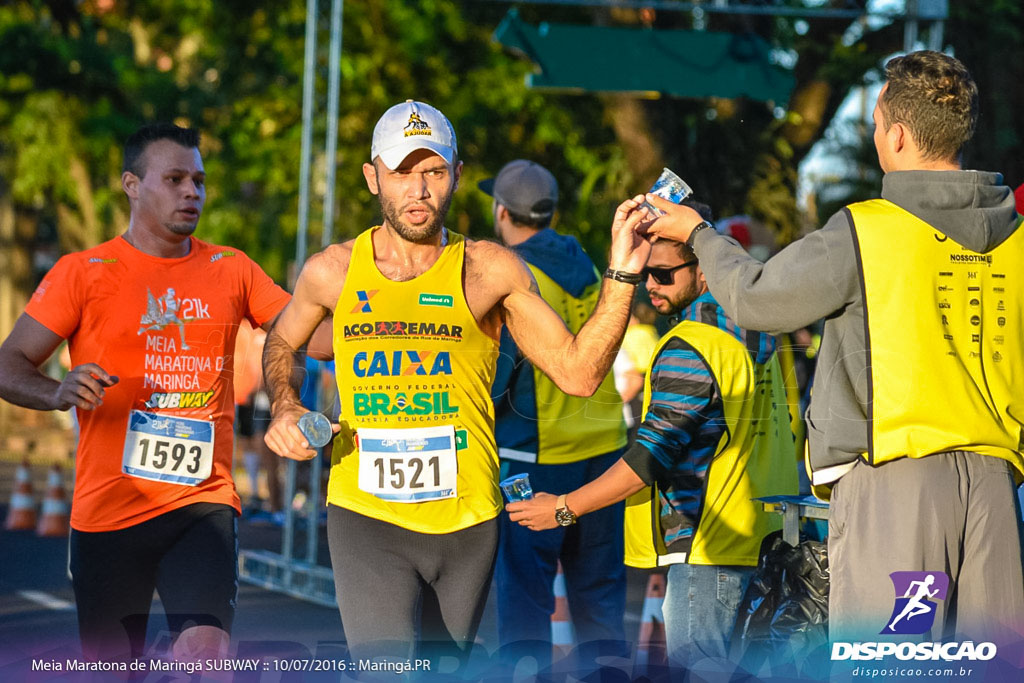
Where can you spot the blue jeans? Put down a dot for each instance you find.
(591, 553)
(701, 603)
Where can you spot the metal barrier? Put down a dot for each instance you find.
(282, 572)
(792, 508)
(310, 582)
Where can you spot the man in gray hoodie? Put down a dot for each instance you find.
(916, 424)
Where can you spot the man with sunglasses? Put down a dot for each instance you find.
(916, 425)
(715, 434)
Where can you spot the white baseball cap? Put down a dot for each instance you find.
(409, 126)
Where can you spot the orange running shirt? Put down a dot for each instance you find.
(166, 328)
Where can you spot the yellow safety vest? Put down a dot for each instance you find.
(796, 419)
(755, 458)
(574, 428)
(411, 359)
(944, 331)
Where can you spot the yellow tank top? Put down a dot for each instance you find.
(944, 339)
(414, 374)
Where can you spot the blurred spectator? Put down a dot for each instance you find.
(560, 441)
(252, 407)
(633, 362)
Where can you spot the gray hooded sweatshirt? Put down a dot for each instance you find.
(816, 277)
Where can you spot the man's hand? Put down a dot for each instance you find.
(538, 513)
(677, 223)
(630, 248)
(284, 436)
(83, 387)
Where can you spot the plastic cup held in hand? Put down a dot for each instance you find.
(668, 186)
(516, 488)
(316, 428)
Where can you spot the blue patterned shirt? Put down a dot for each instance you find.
(684, 422)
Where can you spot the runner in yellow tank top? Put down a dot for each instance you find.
(414, 371)
(412, 499)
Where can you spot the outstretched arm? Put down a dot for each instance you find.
(810, 279)
(686, 391)
(578, 364)
(318, 287)
(21, 382)
(618, 482)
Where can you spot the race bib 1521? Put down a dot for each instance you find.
(408, 465)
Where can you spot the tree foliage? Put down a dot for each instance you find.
(989, 38)
(76, 77)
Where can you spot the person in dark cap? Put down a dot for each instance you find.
(561, 441)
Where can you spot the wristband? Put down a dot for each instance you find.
(697, 228)
(624, 276)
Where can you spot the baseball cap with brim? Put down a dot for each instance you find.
(409, 126)
(525, 188)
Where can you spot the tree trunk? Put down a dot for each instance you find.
(644, 154)
(17, 236)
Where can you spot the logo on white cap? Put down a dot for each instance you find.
(409, 126)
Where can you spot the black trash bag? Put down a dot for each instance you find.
(783, 618)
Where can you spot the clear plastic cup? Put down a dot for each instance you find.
(668, 186)
(316, 428)
(516, 488)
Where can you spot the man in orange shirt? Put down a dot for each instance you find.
(150, 318)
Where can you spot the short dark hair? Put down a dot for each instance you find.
(528, 222)
(934, 96)
(136, 145)
(684, 251)
(700, 207)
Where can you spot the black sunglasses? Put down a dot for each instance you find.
(665, 276)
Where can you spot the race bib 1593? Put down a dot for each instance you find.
(167, 448)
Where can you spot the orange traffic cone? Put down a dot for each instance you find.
(55, 520)
(562, 636)
(21, 515)
(650, 644)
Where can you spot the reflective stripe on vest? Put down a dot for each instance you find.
(755, 458)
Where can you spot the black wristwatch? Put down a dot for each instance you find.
(624, 276)
(563, 515)
(697, 228)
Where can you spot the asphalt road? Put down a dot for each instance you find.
(38, 625)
